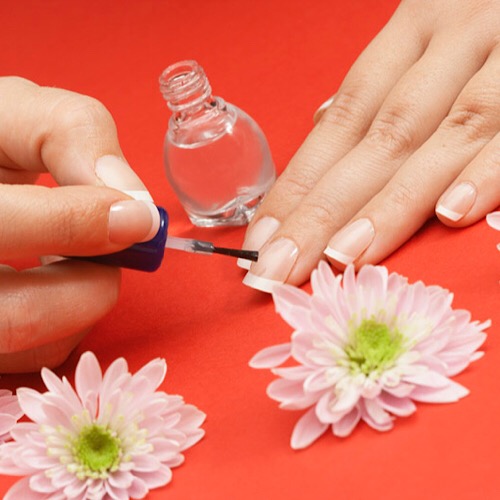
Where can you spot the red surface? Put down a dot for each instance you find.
(278, 60)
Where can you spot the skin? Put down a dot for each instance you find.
(417, 114)
(45, 311)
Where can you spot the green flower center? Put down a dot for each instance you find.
(373, 347)
(97, 449)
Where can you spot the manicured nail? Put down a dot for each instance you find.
(350, 242)
(275, 262)
(132, 221)
(114, 172)
(322, 109)
(255, 239)
(455, 203)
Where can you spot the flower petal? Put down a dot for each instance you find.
(22, 489)
(156, 479)
(154, 371)
(307, 430)
(347, 423)
(375, 416)
(402, 407)
(427, 378)
(450, 394)
(88, 380)
(285, 390)
(271, 357)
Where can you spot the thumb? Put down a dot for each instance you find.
(71, 220)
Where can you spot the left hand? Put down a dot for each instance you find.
(413, 131)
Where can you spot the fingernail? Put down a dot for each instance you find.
(255, 239)
(322, 109)
(116, 173)
(132, 221)
(350, 242)
(454, 204)
(274, 265)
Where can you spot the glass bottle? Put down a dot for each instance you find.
(216, 157)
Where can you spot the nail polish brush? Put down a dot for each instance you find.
(148, 256)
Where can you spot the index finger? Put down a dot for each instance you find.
(70, 135)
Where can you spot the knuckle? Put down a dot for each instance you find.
(393, 129)
(401, 199)
(319, 212)
(71, 221)
(347, 109)
(296, 185)
(79, 112)
(471, 120)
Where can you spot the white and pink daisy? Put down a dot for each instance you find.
(493, 220)
(10, 413)
(115, 437)
(366, 348)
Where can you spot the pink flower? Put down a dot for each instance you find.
(493, 220)
(115, 437)
(367, 347)
(10, 413)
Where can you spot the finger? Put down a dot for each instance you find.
(71, 220)
(72, 136)
(44, 356)
(49, 303)
(475, 192)
(379, 67)
(466, 137)
(410, 114)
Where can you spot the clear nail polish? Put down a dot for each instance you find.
(457, 202)
(275, 263)
(348, 244)
(216, 157)
(261, 231)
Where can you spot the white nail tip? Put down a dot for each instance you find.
(141, 195)
(244, 263)
(259, 283)
(449, 214)
(325, 105)
(338, 256)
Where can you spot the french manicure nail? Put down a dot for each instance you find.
(322, 109)
(350, 242)
(132, 221)
(114, 172)
(455, 203)
(276, 260)
(255, 239)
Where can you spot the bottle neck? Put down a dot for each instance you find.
(186, 88)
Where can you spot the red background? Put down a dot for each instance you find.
(278, 60)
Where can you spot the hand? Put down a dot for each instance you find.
(45, 311)
(413, 130)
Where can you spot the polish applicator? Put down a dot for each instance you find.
(147, 256)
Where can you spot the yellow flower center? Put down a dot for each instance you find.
(374, 347)
(97, 449)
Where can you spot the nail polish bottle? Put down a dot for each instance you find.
(216, 157)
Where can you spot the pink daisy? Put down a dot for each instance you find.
(367, 347)
(10, 413)
(115, 437)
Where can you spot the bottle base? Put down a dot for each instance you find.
(236, 214)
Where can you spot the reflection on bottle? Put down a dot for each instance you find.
(216, 157)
